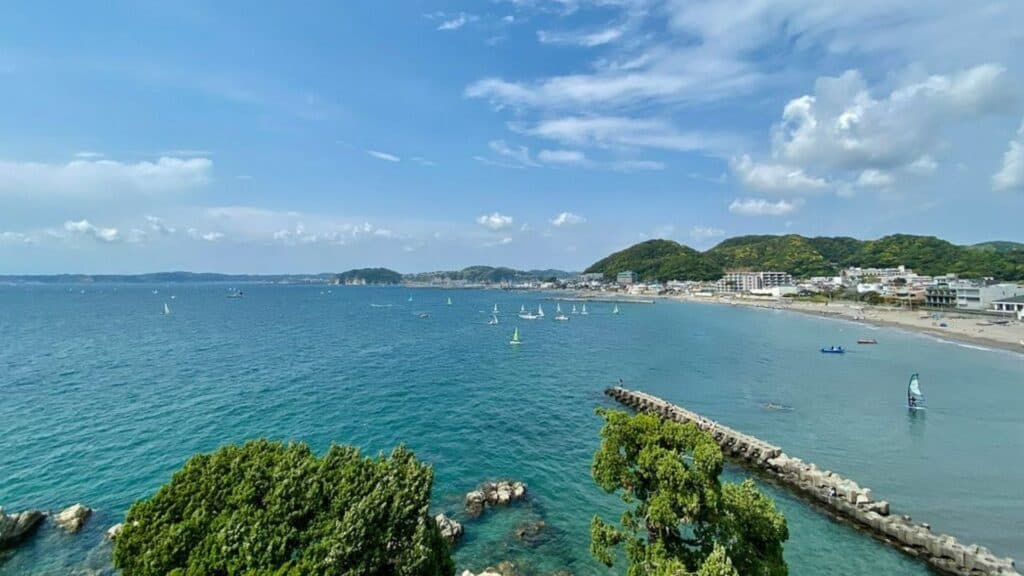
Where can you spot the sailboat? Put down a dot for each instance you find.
(584, 311)
(540, 311)
(574, 311)
(495, 310)
(410, 298)
(493, 320)
(522, 308)
(558, 308)
(561, 317)
(915, 398)
(167, 309)
(515, 337)
(615, 310)
(449, 301)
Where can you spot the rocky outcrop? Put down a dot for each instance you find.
(72, 518)
(450, 529)
(531, 532)
(14, 527)
(841, 496)
(114, 531)
(505, 568)
(498, 493)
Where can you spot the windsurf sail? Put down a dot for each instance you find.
(915, 398)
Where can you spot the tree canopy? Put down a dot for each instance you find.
(267, 508)
(683, 520)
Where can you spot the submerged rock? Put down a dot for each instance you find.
(450, 529)
(72, 518)
(531, 532)
(14, 527)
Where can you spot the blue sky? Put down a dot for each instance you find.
(419, 135)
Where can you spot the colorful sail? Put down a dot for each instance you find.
(915, 398)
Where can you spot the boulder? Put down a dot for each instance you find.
(114, 531)
(14, 527)
(72, 518)
(531, 532)
(450, 529)
(504, 568)
(475, 501)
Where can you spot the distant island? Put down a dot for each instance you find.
(803, 257)
(374, 276)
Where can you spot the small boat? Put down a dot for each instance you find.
(493, 320)
(522, 309)
(173, 297)
(866, 341)
(167, 309)
(574, 310)
(561, 318)
(235, 294)
(528, 316)
(615, 310)
(515, 337)
(449, 303)
(155, 292)
(584, 311)
(915, 398)
(424, 315)
(558, 308)
(540, 311)
(410, 298)
(833, 350)
(495, 310)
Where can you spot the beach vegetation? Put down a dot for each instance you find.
(683, 519)
(272, 508)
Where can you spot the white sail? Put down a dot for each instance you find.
(449, 301)
(515, 336)
(574, 311)
(522, 308)
(167, 309)
(558, 308)
(584, 311)
(540, 310)
(495, 311)
(915, 398)
(615, 310)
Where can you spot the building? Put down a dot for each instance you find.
(983, 297)
(626, 278)
(592, 277)
(749, 281)
(1011, 305)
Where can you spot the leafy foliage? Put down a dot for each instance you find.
(660, 260)
(269, 508)
(803, 257)
(684, 519)
(371, 276)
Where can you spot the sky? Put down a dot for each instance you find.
(420, 135)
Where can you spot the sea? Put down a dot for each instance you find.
(103, 397)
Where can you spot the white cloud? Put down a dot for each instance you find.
(774, 177)
(85, 228)
(423, 161)
(503, 241)
(567, 219)
(619, 131)
(636, 165)
(16, 238)
(94, 178)
(872, 178)
(585, 39)
(761, 207)
(457, 21)
(383, 156)
(706, 232)
(842, 126)
(207, 236)
(573, 157)
(87, 155)
(157, 225)
(1011, 175)
(495, 221)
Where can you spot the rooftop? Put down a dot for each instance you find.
(1012, 299)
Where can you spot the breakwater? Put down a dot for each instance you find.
(841, 496)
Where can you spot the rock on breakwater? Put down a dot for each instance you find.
(14, 527)
(843, 497)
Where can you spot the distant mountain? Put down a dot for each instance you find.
(369, 276)
(487, 274)
(998, 246)
(803, 257)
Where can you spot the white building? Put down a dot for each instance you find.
(855, 275)
(983, 297)
(1011, 305)
(749, 281)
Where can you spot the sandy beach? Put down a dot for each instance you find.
(959, 327)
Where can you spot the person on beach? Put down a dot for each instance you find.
(831, 493)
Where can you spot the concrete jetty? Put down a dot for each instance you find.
(851, 502)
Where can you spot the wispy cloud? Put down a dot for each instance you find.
(1011, 175)
(95, 178)
(86, 228)
(456, 21)
(586, 39)
(383, 156)
(567, 219)
(570, 157)
(702, 233)
(761, 207)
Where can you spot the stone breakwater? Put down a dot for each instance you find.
(840, 496)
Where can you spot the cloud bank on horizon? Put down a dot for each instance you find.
(529, 133)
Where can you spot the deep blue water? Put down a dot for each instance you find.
(102, 398)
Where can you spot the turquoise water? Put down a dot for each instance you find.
(103, 398)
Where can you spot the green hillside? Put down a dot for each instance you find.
(803, 257)
(371, 276)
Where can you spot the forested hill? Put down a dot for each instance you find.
(802, 257)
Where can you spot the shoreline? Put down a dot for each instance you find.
(1008, 338)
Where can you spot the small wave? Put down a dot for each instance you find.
(973, 347)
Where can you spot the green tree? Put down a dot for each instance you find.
(269, 508)
(684, 520)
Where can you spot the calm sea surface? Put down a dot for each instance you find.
(102, 398)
